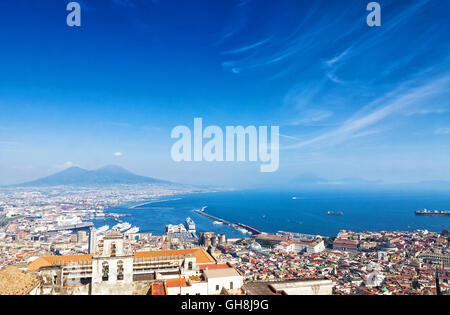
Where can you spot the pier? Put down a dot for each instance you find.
(152, 202)
(236, 226)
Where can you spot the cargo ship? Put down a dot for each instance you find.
(338, 213)
(432, 212)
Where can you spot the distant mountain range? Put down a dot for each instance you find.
(313, 181)
(108, 175)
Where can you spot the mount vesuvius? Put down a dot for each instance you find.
(108, 175)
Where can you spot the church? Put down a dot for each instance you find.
(114, 269)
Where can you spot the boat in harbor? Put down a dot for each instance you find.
(125, 227)
(102, 229)
(217, 223)
(122, 227)
(190, 225)
(133, 230)
(426, 212)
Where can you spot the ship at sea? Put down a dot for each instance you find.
(336, 213)
(432, 212)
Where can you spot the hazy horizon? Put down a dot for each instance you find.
(303, 182)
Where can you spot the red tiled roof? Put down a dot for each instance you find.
(175, 283)
(214, 266)
(158, 289)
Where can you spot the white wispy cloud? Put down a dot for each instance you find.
(311, 117)
(289, 50)
(428, 111)
(333, 77)
(118, 154)
(246, 48)
(289, 137)
(442, 131)
(378, 110)
(338, 58)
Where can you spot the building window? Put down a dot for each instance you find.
(217, 287)
(190, 265)
(231, 285)
(113, 250)
(120, 270)
(105, 271)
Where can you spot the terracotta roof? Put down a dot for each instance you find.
(214, 266)
(46, 261)
(175, 283)
(202, 256)
(158, 289)
(14, 281)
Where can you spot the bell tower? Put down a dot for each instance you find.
(113, 244)
(112, 268)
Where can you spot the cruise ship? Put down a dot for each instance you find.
(133, 230)
(432, 212)
(122, 227)
(102, 229)
(190, 225)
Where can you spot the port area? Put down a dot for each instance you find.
(73, 227)
(152, 202)
(236, 226)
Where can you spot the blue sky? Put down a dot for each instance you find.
(351, 101)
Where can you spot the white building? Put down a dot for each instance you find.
(68, 220)
(172, 229)
(304, 287)
(219, 279)
(112, 269)
(374, 279)
(302, 246)
(116, 269)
